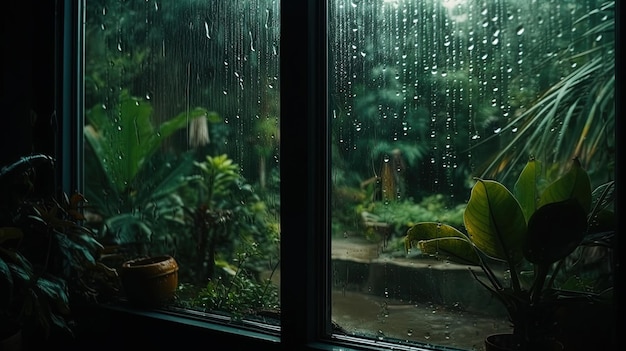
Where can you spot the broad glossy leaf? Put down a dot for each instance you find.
(574, 183)
(495, 222)
(525, 188)
(442, 240)
(453, 248)
(554, 231)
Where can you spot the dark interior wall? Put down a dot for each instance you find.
(28, 36)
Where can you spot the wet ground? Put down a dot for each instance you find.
(360, 314)
(427, 301)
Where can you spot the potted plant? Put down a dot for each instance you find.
(533, 235)
(45, 251)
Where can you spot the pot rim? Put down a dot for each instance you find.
(158, 265)
(146, 261)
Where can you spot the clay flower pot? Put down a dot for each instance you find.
(149, 282)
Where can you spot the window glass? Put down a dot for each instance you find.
(425, 95)
(182, 142)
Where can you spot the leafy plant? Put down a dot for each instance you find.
(234, 291)
(578, 110)
(226, 205)
(131, 186)
(402, 215)
(533, 233)
(45, 251)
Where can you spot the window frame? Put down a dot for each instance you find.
(305, 172)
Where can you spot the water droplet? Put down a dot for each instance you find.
(206, 30)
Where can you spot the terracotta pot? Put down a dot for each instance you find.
(150, 282)
(507, 342)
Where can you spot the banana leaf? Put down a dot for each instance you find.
(123, 141)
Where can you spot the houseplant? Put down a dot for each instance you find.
(533, 235)
(46, 254)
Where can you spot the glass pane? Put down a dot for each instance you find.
(425, 95)
(181, 144)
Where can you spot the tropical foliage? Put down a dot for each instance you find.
(132, 188)
(575, 117)
(533, 233)
(228, 215)
(46, 254)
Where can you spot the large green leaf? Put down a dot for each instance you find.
(574, 184)
(163, 177)
(495, 221)
(124, 140)
(554, 231)
(525, 188)
(442, 240)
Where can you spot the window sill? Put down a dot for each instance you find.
(116, 326)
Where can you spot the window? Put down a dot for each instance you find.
(182, 143)
(280, 151)
(424, 96)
